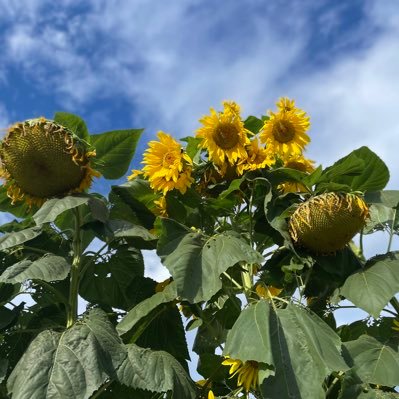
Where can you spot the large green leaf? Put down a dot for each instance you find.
(74, 123)
(352, 387)
(156, 371)
(54, 207)
(389, 198)
(302, 349)
(114, 151)
(133, 201)
(362, 170)
(146, 307)
(47, 268)
(112, 282)
(173, 337)
(68, 365)
(196, 262)
(12, 239)
(371, 288)
(374, 361)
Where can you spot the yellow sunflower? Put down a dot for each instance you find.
(224, 135)
(267, 291)
(302, 164)
(41, 159)
(161, 206)
(167, 166)
(258, 158)
(395, 325)
(247, 372)
(284, 133)
(286, 104)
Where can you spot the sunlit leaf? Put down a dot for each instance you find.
(114, 151)
(47, 268)
(374, 361)
(371, 288)
(74, 123)
(156, 371)
(68, 365)
(196, 262)
(12, 239)
(55, 206)
(276, 337)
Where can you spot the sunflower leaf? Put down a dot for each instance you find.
(156, 371)
(54, 207)
(68, 365)
(374, 361)
(12, 239)
(275, 337)
(74, 123)
(47, 268)
(372, 287)
(361, 170)
(196, 262)
(114, 151)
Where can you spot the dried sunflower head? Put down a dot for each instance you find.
(41, 159)
(327, 222)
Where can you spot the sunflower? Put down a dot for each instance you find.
(302, 164)
(286, 104)
(167, 166)
(327, 222)
(161, 206)
(224, 135)
(395, 325)
(267, 291)
(247, 372)
(41, 159)
(284, 133)
(258, 158)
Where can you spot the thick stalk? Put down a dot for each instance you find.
(74, 282)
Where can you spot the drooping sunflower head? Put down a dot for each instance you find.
(167, 166)
(327, 222)
(223, 135)
(248, 372)
(302, 164)
(41, 159)
(257, 158)
(284, 133)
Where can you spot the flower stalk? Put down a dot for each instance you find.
(76, 261)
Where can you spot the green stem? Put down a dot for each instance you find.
(361, 254)
(391, 231)
(101, 389)
(74, 282)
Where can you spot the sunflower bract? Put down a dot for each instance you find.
(327, 222)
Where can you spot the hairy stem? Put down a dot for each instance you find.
(74, 282)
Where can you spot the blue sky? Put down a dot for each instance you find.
(161, 65)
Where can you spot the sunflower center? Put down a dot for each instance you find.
(38, 155)
(283, 131)
(296, 165)
(226, 135)
(168, 159)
